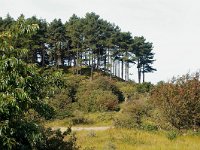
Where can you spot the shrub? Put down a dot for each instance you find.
(78, 118)
(144, 87)
(179, 101)
(128, 90)
(57, 140)
(149, 127)
(131, 114)
(172, 135)
(97, 100)
(61, 102)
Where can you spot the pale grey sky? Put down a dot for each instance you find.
(172, 25)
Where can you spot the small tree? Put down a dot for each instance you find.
(22, 89)
(179, 100)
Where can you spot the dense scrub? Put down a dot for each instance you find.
(179, 101)
(131, 114)
(101, 94)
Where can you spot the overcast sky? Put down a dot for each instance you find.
(173, 26)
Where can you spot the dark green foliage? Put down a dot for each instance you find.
(56, 42)
(179, 101)
(143, 56)
(97, 100)
(6, 23)
(99, 95)
(31, 136)
(22, 90)
(37, 43)
(88, 42)
(144, 87)
(57, 140)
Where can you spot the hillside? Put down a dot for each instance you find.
(127, 110)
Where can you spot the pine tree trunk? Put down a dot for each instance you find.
(118, 69)
(122, 71)
(59, 60)
(105, 59)
(92, 67)
(139, 71)
(81, 58)
(115, 70)
(108, 64)
(110, 69)
(43, 58)
(139, 75)
(143, 74)
(77, 57)
(89, 60)
(127, 71)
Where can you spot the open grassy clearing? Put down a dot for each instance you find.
(124, 139)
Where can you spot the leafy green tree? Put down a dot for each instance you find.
(22, 89)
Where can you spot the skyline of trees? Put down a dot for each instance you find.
(87, 42)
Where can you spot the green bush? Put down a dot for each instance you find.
(149, 127)
(172, 135)
(78, 118)
(179, 101)
(144, 87)
(61, 102)
(57, 140)
(97, 100)
(159, 120)
(98, 95)
(131, 114)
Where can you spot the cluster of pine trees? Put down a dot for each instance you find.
(88, 42)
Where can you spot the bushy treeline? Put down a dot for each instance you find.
(83, 42)
(169, 105)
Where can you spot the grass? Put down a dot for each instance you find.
(94, 120)
(127, 139)
(124, 139)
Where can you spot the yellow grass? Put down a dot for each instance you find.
(124, 139)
